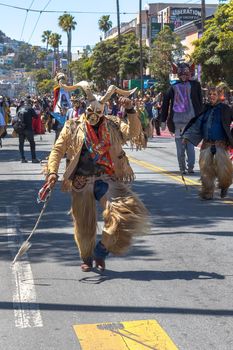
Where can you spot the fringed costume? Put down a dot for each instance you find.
(98, 170)
(215, 163)
(213, 128)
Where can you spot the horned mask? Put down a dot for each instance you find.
(184, 70)
(95, 107)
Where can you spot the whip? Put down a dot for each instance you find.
(43, 196)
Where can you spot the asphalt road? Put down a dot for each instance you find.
(179, 275)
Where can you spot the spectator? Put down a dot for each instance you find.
(148, 106)
(59, 120)
(181, 103)
(37, 122)
(73, 112)
(26, 113)
(2, 128)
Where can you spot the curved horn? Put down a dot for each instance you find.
(113, 89)
(82, 84)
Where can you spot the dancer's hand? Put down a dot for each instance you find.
(184, 141)
(51, 180)
(126, 102)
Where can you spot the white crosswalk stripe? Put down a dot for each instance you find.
(26, 309)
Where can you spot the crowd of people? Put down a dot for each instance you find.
(91, 130)
(172, 109)
(47, 119)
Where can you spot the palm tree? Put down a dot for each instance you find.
(45, 38)
(105, 24)
(55, 42)
(67, 23)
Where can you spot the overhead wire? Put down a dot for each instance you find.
(38, 20)
(25, 19)
(67, 11)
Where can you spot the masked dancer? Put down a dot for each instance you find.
(213, 127)
(98, 170)
(181, 103)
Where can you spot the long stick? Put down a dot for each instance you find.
(183, 179)
(26, 244)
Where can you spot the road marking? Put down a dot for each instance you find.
(163, 171)
(173, 176)
(132, 335)
(26, 308)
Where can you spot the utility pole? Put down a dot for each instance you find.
(140, 45)
(119, 78)
(203, 15)
(146, 8)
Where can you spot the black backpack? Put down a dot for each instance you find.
(19, 125)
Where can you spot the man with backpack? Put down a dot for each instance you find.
(23, 127)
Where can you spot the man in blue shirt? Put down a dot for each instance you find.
(213, 128)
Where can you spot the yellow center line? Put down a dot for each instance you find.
(173, 176)
(163, 171)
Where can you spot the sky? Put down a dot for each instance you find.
(29, 26)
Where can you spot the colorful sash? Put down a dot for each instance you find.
(98, 145)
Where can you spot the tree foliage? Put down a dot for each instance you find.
(81, 69)
(45, 38)
(55, 42)
(129, 59)
(105, 63)
(104, 23)
(67, 23)
(109, 61)
(41, 74)
(214, 50)
(167, 48)
(45, 86)
(43, 80)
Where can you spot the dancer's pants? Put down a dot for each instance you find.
(123, 213)
(214, 164)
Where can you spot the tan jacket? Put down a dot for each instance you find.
(71, 139)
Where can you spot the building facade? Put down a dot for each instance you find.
(156, 15)
(180, 14)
